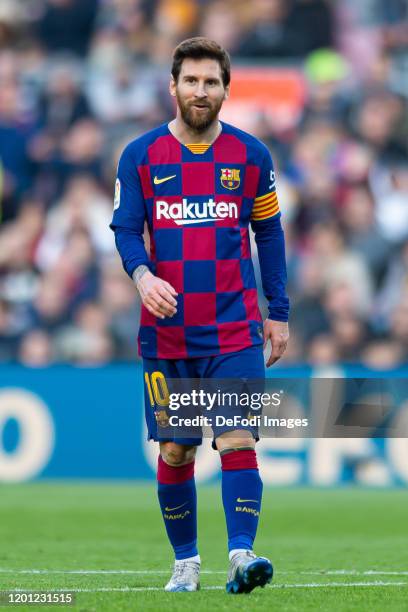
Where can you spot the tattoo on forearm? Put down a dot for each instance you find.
(138, 273)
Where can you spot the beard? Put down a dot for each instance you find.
(198, 121)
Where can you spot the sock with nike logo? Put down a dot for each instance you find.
(241, 496)
(178, 503)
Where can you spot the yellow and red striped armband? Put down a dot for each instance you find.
(265, 206)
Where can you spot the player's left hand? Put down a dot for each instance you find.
(278, 333)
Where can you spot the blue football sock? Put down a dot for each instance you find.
(178, 502)
(241, 496)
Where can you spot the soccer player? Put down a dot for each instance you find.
(198, 182)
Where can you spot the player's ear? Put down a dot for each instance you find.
(226, 92)
(172, 87)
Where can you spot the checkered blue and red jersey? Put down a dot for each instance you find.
(198, 202)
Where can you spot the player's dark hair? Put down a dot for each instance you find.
(198, 48)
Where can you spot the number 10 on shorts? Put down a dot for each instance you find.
(157, 388)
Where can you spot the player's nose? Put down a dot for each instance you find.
(200, 91)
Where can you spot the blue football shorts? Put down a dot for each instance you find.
(243, 370)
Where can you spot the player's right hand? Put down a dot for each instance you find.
(157, 295)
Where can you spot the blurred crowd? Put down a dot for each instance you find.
(80, 78)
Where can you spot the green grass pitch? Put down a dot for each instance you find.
(342, 549)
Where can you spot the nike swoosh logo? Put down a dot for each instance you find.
(247, 500)
(158, 181)
(167, 509)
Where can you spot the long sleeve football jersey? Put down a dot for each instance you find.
(198, 202)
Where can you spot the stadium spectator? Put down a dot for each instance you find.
(281, 29)
(50, 308)
(36, 349)
(323, 351)
(222, 24)
(267, 34)
(87, 340)
(350, 334)
(8, 334)
(123, 308)
(122, 92)
(382, 354)
(362, 232)
(15, 131)
(310, 22)
(66, 24)
(391, 300)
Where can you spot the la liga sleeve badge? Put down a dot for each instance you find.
(116, 201)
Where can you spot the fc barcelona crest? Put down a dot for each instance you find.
(230, 178)
(162, 418)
